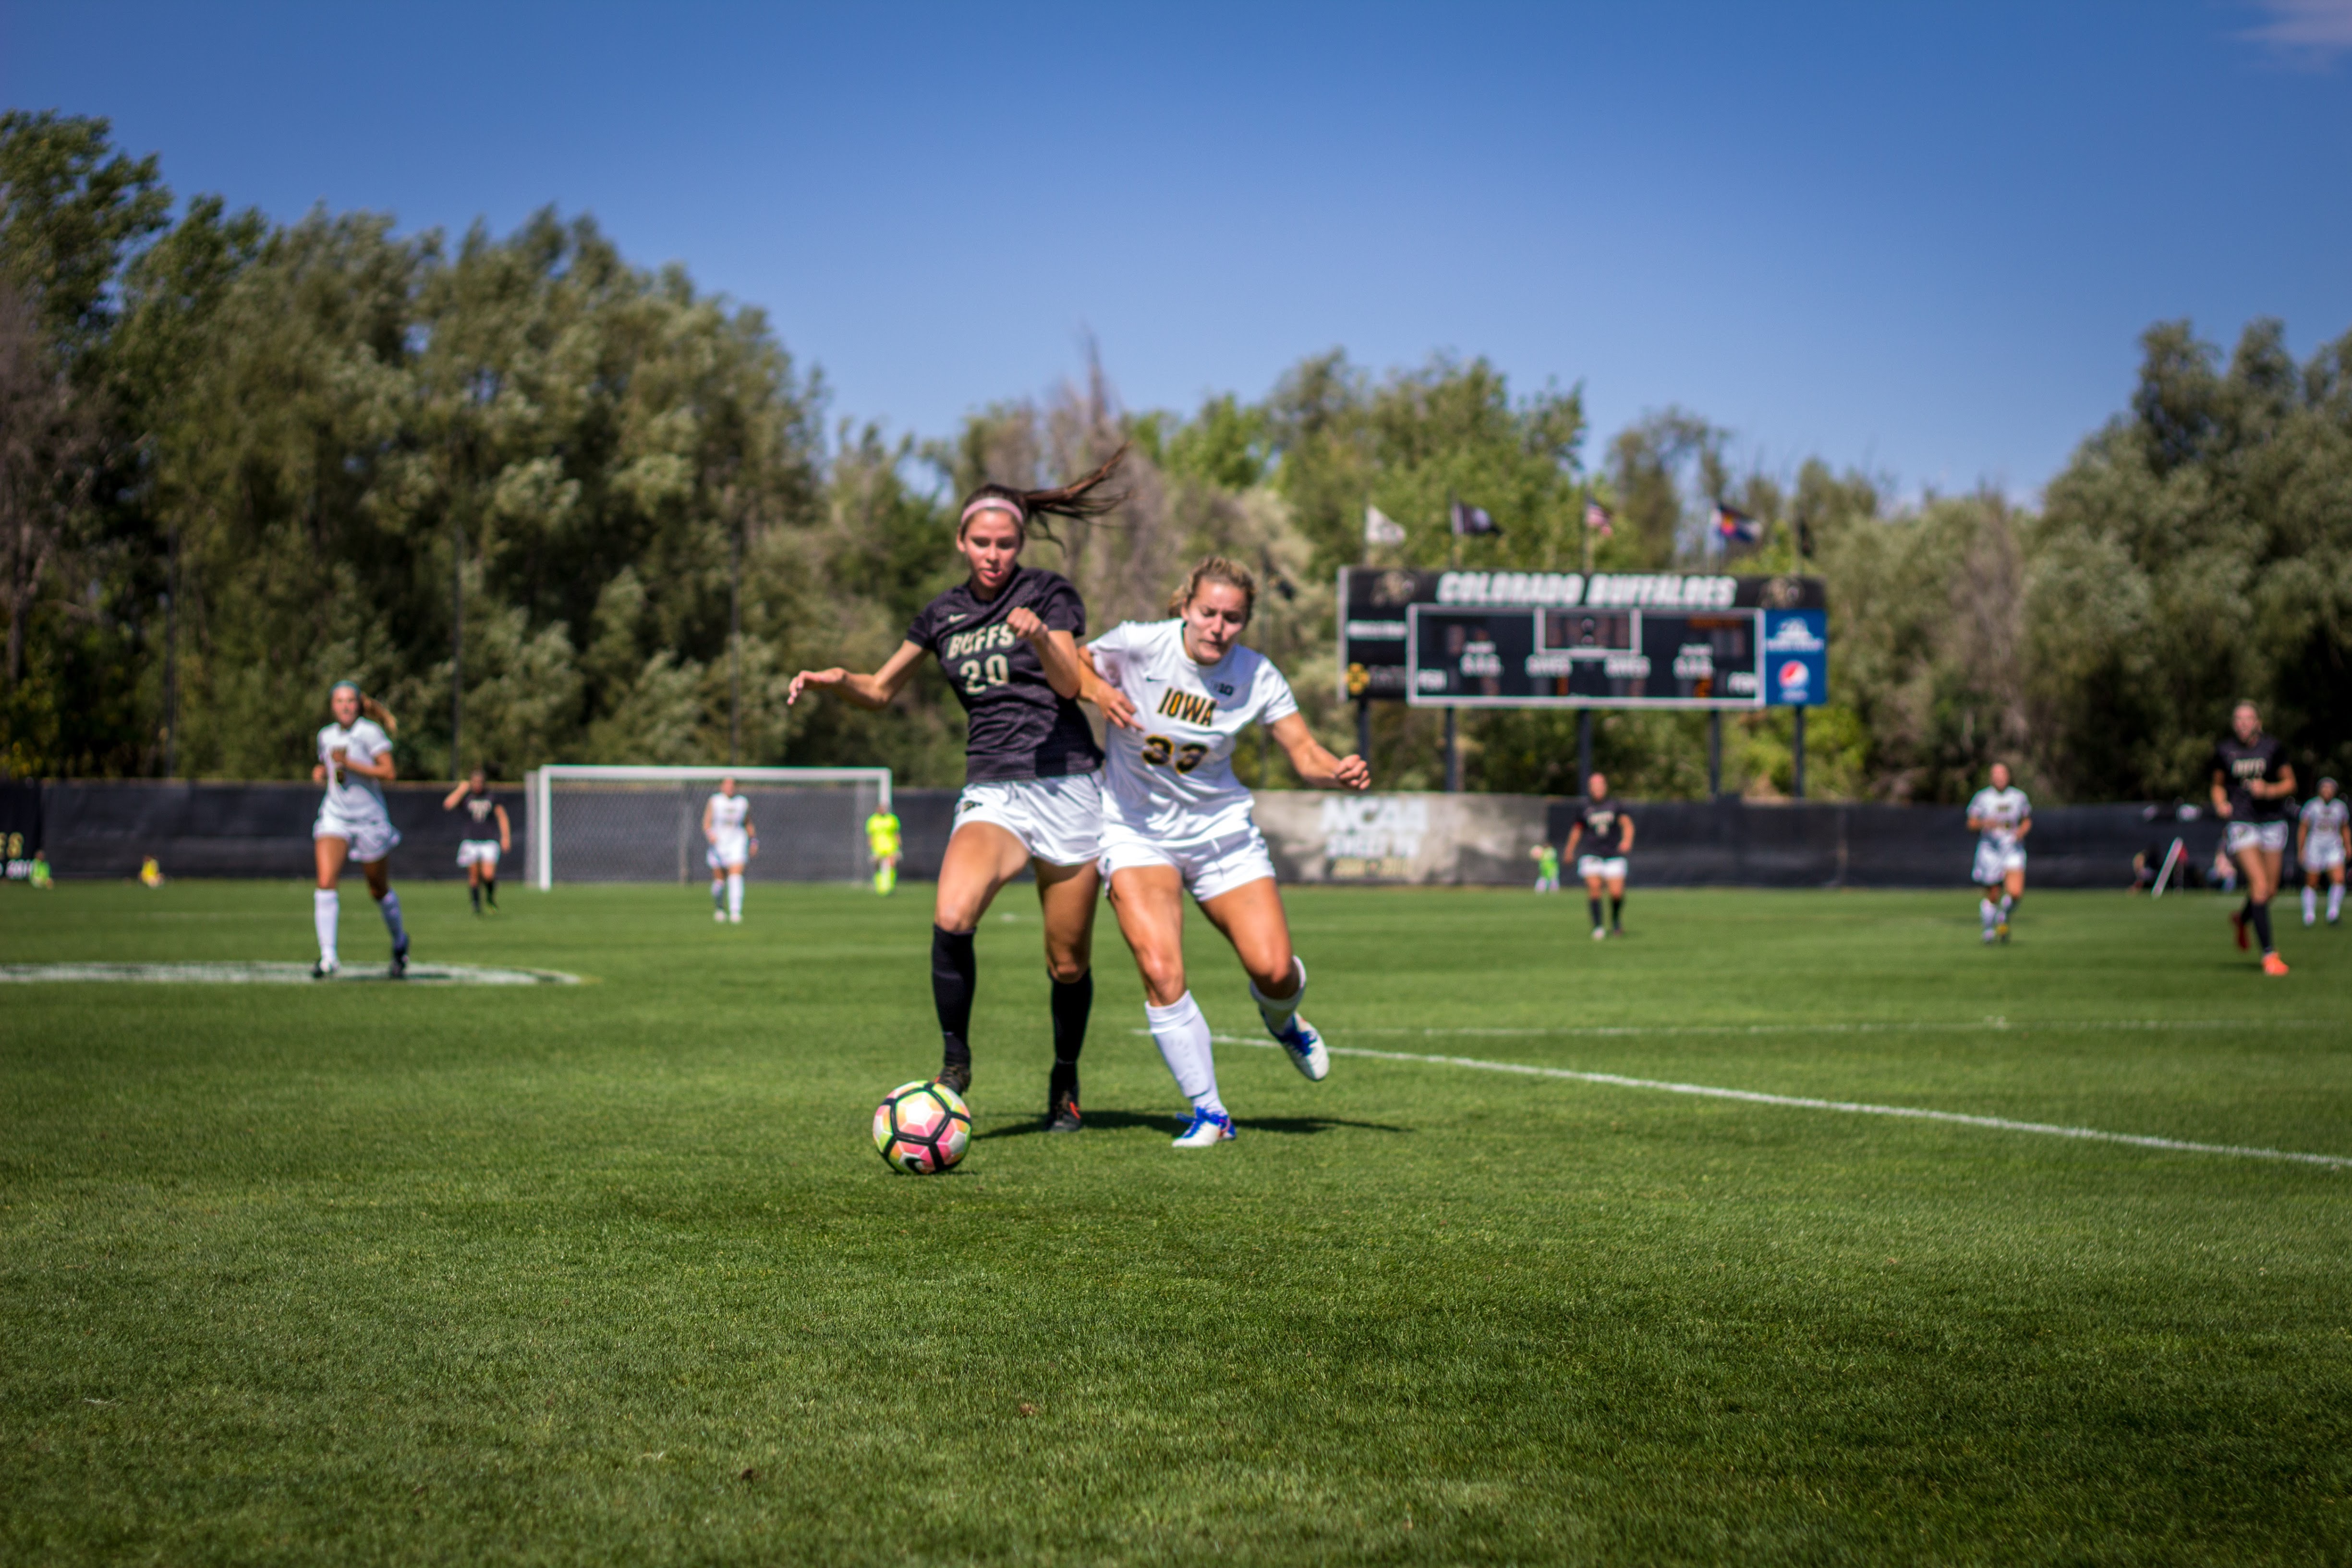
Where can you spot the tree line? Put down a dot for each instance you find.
(553, 506)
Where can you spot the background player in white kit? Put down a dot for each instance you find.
(2321, 840)
(1175, 695)
(727, 825)
(355, 763)
(479, 855)
(2001, 816)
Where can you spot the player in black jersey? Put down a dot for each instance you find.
(1007, 639)
(479, 855)
(1607, 834)
(2253, 792)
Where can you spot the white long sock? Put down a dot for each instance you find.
(1277, 1012)
(2310, 903)
(2335, 900)
(735, 893)
(1182, 1036)
(391, 908)
(325, 911)
(1990, 914)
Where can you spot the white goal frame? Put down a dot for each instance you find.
(542, 780)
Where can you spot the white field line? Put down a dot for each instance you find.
(1807, 1102)
(262, 973)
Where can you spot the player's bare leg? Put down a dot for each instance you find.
(1592, 890)
(1065, 899)
(2259, 868)
(1616, 906)
(1150, 903)
(2012, 890)
(1253, 919)
(980, 858)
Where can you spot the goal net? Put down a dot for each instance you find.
(594, 823)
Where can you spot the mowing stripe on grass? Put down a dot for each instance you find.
(261, 973)
(1806, 1102)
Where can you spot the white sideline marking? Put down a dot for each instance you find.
(1995, 1023)
(1806, 1102)
(272, 974)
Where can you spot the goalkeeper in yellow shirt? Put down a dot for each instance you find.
(882, 842)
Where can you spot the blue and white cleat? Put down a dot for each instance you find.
(1304, 1048)
(1208, 1127)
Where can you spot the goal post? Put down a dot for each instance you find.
(589, 823)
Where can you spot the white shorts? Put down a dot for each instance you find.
(371, 838)
(479, 852)
(2323, 854)
(728, 849)
(2265, 836)
(1057, 820)
(1607, 867)
(1210, 866)
(1994, 864)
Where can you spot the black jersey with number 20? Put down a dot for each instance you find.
(2242, 764)
(1017, 726)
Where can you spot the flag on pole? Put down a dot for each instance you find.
(1379, 528)
(1598, 519)
(1469, 519)
(1733, 526)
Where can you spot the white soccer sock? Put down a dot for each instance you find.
(2334, 899)
(390, 905)
(1182, 1036)
(2007, 903)
(325, 910)
(735, 892)
(1278, 1012)
(717, 893)
(1984, 907)
(2310, 903)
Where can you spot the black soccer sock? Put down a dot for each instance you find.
(2262, 918)
(477, 891)
(490, 890)
(1616, 909)
(1072, 1003)
(1594, 905)
(955, 977)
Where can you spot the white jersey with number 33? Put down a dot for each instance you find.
(1174, 779)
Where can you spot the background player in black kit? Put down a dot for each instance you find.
(1006, 638)
(1606, 834)
(491, 841)
(2253, 792)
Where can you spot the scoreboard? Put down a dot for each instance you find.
(1559, 639)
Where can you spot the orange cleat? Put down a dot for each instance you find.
(2274, 964)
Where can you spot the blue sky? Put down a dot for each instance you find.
(1920, 239)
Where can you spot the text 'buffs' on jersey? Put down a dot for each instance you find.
(1016, 726)
(1174, 777)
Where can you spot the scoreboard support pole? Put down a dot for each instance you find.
(1583, 749)
(1453, 751)
(1715, 754)
(1797, 748)
(1364, 728)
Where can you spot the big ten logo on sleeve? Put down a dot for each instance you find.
(972, 657)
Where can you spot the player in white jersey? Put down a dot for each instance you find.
(2001, 816)
(727, 826)
(1175, 694)
(2321, 838)
(355, 764)
(479, 855)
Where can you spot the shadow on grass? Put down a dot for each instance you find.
(1112, 1120)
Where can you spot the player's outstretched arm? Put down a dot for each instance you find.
(449, 802)
(506, 838)
(1057, 651)
(1117, 710)
(873, 690)
(1624, 834)
(2220, 794)
(1317, 767)
(381, 769)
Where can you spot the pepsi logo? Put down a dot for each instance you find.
(1794, 676)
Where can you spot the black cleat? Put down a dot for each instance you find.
(956, 1076)
(1062, 1115)
(399, 960)
(322, 970)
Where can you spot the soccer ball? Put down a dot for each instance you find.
(923, 1128)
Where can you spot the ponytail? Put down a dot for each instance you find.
(379, 713)
(1079, 499)
(1215, 569)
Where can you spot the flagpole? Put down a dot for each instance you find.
(1453, 714)
(1586, 521)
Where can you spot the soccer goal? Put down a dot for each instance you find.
(589, 824)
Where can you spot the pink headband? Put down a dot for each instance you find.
(994, 503)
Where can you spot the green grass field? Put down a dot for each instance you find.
(610, 1272)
